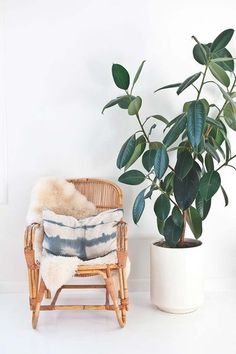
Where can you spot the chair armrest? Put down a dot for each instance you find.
(29, 246)
(122, 243)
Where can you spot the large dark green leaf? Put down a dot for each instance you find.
(140, 145)
(162, 207)
(125, 101)
(148, 159)
(230, 115)
(209, 184)
(185, 190)
(138, 207)
(203, 206)
(217, 135)
(177, 216)
(175, 131)
(132, 177)
(126, 152)
(225, 195)
(135, 106)
(184, 164)
(219, 74)
(172, 232)
(161, 161)
(195, 222)
(222, 40)
(195, 122)
(209, 163)
(120, 76)
(199, 54)
(168, 86)
(224, 59)
(189, 81)
(137, 74)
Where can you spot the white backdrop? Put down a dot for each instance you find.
(57, 77)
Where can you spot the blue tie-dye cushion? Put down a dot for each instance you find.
(88, 238)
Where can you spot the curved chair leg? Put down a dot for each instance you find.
(111, 291)
(40, 295)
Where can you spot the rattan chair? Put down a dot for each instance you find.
(105, 195)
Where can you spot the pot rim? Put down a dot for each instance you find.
(196, 244)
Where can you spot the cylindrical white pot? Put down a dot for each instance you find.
(177, 278)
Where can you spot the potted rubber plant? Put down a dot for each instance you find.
(182, 193)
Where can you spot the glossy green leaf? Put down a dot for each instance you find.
(199, 54)
(177, 216)
(125, 101)
(173, 121)
(202, 206)
(184, 164)
(126, 152)
(195, 222)
(209, 163)
(162, 207)
(137, 74)
(226, 96)
(175, 131)
(171, 232)
(230, 115)
(148, 159)
(168, 86)
(209, 184)
(195, 122)
(222, 40)
(204, 102)
(138, 207)
(225, 196)
(168, 182)
(160, 118)
(224, 59)
(114, 102)
(189, 81)
(161, 161)
(132, 177)
(217, 135)
(219, 74)
(135, 106)
(120, 76)
(185, 190)
(212, 151)
(216, 146)
(140, 145)
(216, 123)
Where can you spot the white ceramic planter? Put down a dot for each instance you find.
(177, 278)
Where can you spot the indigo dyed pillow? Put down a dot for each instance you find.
(87, 238)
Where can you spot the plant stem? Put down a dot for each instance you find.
(141, 126)
(161, 190)
(226, 163)
(182, 237)
(202, 83)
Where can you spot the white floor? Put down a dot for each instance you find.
(210, 330)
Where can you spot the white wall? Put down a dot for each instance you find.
(57, 77)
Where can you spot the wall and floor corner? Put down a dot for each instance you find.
(56, 57)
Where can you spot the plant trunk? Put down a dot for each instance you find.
(182, 237)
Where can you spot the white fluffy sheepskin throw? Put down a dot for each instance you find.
(61, 197)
